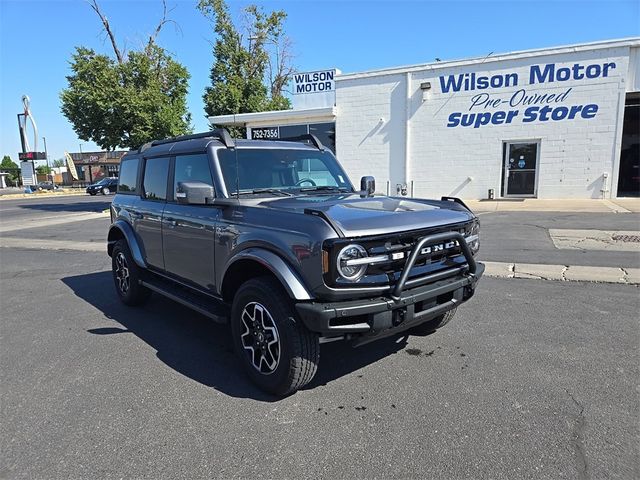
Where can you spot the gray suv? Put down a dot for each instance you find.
(271, 237)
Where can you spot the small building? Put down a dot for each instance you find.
(560, 122)
(93, 166)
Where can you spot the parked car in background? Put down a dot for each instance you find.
(104, 186)
(42, 186)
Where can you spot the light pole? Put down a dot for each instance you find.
(46, 156)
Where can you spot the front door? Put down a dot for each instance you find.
(520, 169)
(188, 231)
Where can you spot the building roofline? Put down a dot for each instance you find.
(242, 118)
(578, 47)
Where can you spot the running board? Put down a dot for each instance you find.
(201, 303)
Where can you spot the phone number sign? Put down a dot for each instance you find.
(265, 133)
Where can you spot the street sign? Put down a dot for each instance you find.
(32, 156)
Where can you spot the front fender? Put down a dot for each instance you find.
(125, 231)
(289, 279)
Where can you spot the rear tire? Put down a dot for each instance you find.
(431, 326)
(126, 276)
(277, 351)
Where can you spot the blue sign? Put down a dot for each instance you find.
(538, 107)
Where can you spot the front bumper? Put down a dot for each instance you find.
(373, 318)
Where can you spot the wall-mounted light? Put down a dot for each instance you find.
(425, 87)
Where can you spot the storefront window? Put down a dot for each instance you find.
(326, 133)
(287, 131)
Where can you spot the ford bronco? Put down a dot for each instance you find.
(271, 237)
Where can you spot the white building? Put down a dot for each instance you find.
(548, 123)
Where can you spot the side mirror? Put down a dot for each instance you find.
(367, 186)
(194, 193)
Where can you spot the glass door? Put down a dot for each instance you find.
(521, 169)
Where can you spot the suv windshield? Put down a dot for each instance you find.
(263, 170)
(104, 181)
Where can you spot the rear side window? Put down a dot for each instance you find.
(192, 168)
(156, 172)
(128, 176)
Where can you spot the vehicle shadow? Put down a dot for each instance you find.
(78, 207)
(201, 349)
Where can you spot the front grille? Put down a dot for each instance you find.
(388, 272)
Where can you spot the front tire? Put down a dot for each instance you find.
(277, 351)
(126, 276)
(105, 191)
(431, 326)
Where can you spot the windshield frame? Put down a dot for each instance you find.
(333, 166)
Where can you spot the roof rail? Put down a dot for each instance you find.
(218, 133)
(307, 136)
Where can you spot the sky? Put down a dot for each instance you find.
(37, 39)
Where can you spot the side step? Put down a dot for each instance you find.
(200, 302)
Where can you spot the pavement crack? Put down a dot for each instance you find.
(564, 271)
(577, 439)
(625, 275)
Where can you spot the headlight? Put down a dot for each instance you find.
(473, 238)
(352, 262)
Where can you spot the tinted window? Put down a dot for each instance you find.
(128, 176)
(192, 168)
(156, 172)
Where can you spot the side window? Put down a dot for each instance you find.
(128, 176)
(156, 172)
(192, 168)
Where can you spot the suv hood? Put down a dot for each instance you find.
(357, 216)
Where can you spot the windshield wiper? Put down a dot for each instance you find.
(320, 188)
(266, 190)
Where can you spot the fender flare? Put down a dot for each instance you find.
(287, 276)
(130, 236)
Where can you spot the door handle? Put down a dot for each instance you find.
(171, 222)
(136, 215)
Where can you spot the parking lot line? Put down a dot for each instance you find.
(46, 244)
(50, 221)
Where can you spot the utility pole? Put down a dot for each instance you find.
(82, 160)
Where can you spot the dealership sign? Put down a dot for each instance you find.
(314, 89)
(492, 107)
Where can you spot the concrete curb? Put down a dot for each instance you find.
(563, 273)
(13, 196)
(629, 205)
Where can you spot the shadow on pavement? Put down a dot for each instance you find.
(86, 206)
(201, 349)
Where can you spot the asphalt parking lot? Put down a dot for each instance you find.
(532, 379)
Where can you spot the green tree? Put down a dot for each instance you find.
(43, 170)
(59, 162)
(245, 77)
(129, 100)
(9, 166)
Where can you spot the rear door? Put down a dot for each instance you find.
(151, 207)
(189, 230)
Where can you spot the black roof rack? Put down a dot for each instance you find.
(218, 133)
(307, 136)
